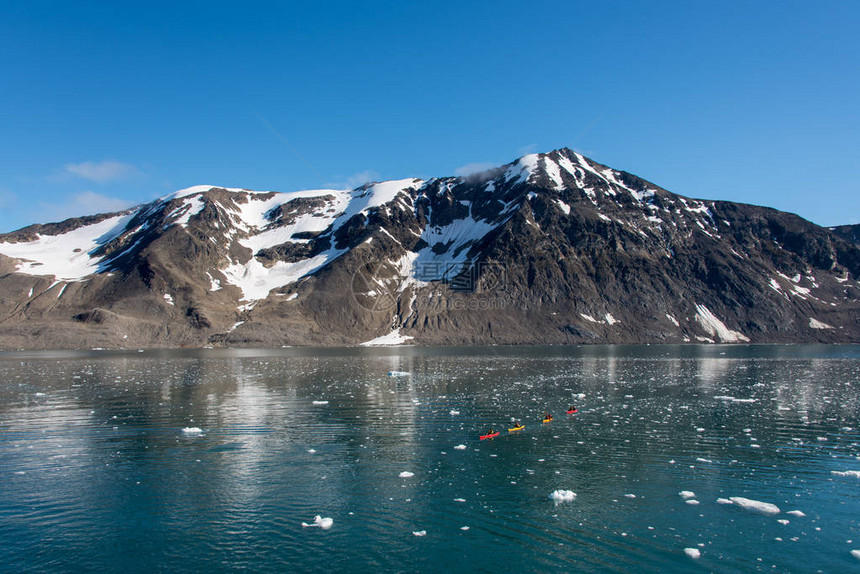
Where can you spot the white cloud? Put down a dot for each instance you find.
(471, 168)
(526, 150)
(101, 172)
(84, 203)
(355, 180)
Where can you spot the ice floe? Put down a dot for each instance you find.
(192, 430)
(754, 505)
(687, 494)
(854, 473)
(559, 496)
(319, 522)
(320, 402)
(406, 474)
(419, 532)
(693, 553)
(460, 447)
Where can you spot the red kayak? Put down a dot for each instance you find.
(491, 435)
(572, 411)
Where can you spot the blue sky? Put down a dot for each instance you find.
(105, 105)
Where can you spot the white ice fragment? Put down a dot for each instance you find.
(454, 413)
(630, 496)
(459, 500)
(464, 528)
(782, 521)
(854, 473)
(797, 513)
(723, 501)
(692, 502)
(312, 450)
(320, 402)
(406, 474)
(559, 496)
(686, 494)
(754, 505)
(693, 553)
(397, 373)
(192, 430)
(419, 532)
(856, 554)
(460, 447)
(319, 522)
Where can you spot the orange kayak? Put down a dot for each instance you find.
(491, 435)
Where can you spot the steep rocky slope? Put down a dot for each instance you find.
(552, 248)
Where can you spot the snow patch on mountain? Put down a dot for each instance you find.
(714, 327)
(66, 256)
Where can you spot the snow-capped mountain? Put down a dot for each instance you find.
(552, 248)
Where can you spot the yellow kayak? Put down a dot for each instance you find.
(519, 428)
(547, 420)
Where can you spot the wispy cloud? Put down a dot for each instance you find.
(355, 180)
(470, 168)
(102, 171)
(525, 150)
(84, 203)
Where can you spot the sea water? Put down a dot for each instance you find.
(720, 458)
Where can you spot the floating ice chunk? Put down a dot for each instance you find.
(797, 513)
(693, 553)
(754, 505)
(397, 373)
(723, 501)
(454, 413)
(700, 459)
(854, 473)
(459, 500)
(320, 402)
(464, 528)
(630, 496)
(319, 522)
(782, 521)
(460, 447)
(406, 474)
(419, 532)
(856, 554)
(685, 494)
(692, 502)
(192, 430)
(312, 450)
(559, 496)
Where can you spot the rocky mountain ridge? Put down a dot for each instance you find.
(550, 249)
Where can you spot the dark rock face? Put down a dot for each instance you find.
(850, 233)
(552, 248)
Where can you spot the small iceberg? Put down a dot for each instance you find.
(754, 505)
(687, 494)
(854, 473)
(192, 431)
(693, 553)
(454, 413)
(398, 374)
(460, 447)
(797, 513)
(406, 474)
(559, 496)
(320, 402)
(419, 532)
(319, 522)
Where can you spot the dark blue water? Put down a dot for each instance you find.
(100, 468)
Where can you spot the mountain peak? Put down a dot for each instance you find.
(560, 244)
